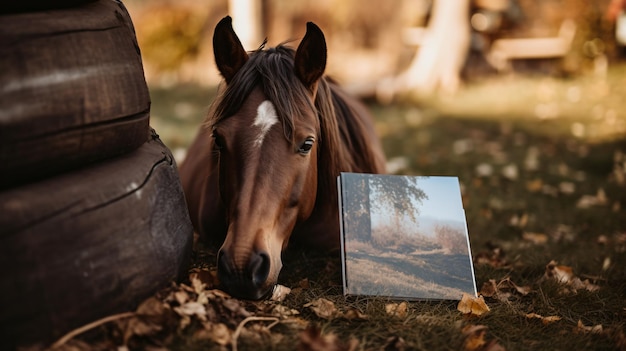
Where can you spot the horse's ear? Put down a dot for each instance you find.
(310, 60)
(230, 55)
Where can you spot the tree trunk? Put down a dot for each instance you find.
(438, 63)
(247, 21)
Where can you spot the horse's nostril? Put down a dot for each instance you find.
(259, 268)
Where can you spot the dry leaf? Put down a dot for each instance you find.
(474, 337)
(354, 313)
(510, 172)
(192, 309)
(181, 297)
(596, 329)
(322, 308)
(507, 283)
(588, 201)
(503, 289)
(284, 311)
(279, 293)
(562, 274)
(151, 307)
(399, 310)
(544, 320)
(535, 238)
(312, 339)
(565, 275)
(494, 258)
(197, 285)
(216, 332)
(473, 306)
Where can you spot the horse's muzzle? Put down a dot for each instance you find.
(250, 282)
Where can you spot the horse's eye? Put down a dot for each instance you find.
(218, 141)
(306, 147)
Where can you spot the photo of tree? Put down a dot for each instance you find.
(405, 237)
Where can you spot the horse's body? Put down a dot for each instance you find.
(263, 171)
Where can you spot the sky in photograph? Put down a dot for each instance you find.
(443, 203)
(444, 198)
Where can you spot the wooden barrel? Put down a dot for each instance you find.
(92, 215)
(90, 243)
(72, 89)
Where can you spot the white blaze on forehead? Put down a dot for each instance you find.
(265, 119)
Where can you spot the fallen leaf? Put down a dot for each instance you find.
(206, 277)
(596, 329)
(399, 310)
(535, 238)
(216, 332)
(235, 306)
(503, 290)
(323, 308)
(284, 311)
(519, 221)
(197, 284)
(151, 307)
(191, 309)
(508, 283)
(567, 187)
(279, 293)
(139, 327)
(510, 172)
(354, 313)
(494, 258)
(472, 306)
(562, 274)
(474, 337)
(588, 201)
(489, 288)
(312, 339)
(545, 320)
(181, 297)
(565, 276)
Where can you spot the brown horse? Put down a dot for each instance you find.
(264, 168)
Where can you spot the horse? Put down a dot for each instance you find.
(263, 168)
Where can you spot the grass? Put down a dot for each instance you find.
(527, 151)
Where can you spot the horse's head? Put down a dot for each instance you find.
(266, 132)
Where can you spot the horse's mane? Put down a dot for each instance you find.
(272, 70)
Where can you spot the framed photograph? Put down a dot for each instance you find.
(404, 237)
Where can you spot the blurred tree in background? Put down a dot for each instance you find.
(378, 47)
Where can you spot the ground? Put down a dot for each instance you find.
(542, 163)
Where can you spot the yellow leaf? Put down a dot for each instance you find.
(544, 320)
(323, 308)
(397, 310)
(473, 306)
(474, 337)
